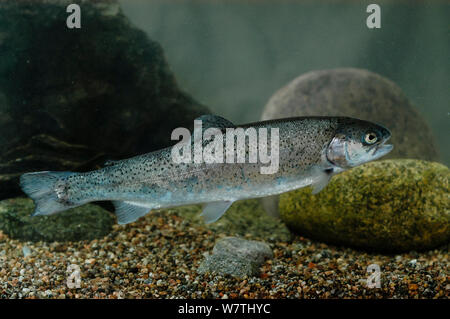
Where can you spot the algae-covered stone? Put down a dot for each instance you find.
(391, 205)
(86, 222)
(244, 218)
(237, 257)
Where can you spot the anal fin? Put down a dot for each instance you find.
(127, 213)
(213, 211)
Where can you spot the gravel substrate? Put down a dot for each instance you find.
(157, 257)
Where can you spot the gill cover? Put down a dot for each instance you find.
(337, 151)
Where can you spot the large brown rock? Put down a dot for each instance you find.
(360, 94)
(72, 98)
(355, 93)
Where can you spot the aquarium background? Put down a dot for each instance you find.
(233, 55)
(77, 99)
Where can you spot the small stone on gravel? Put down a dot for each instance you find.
(237, 257)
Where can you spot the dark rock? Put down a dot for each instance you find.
(86, 222)
(236, 257)
(387, 206)
(72, 98)
(360, 94)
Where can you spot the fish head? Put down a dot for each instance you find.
(357, 142)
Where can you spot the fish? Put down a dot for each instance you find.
(311, 151)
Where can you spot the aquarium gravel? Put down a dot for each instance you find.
(157, 257)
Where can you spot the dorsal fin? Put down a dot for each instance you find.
(111, 162)
(211, 120)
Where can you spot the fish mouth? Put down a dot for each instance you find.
(381, 149)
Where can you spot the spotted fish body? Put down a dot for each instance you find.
(310, 152)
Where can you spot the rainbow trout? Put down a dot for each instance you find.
(310, 151)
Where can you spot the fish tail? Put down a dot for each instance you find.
(48, 190)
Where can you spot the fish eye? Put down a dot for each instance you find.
(370, 138)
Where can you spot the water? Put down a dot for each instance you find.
(241, 52)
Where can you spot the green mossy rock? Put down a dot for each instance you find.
(86, 222)
(244, 218)
(388, 206)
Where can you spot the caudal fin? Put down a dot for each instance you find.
(42, 187)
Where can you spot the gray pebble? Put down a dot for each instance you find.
(237, 257)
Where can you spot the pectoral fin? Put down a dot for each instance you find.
(213, 211)
(322, 179)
